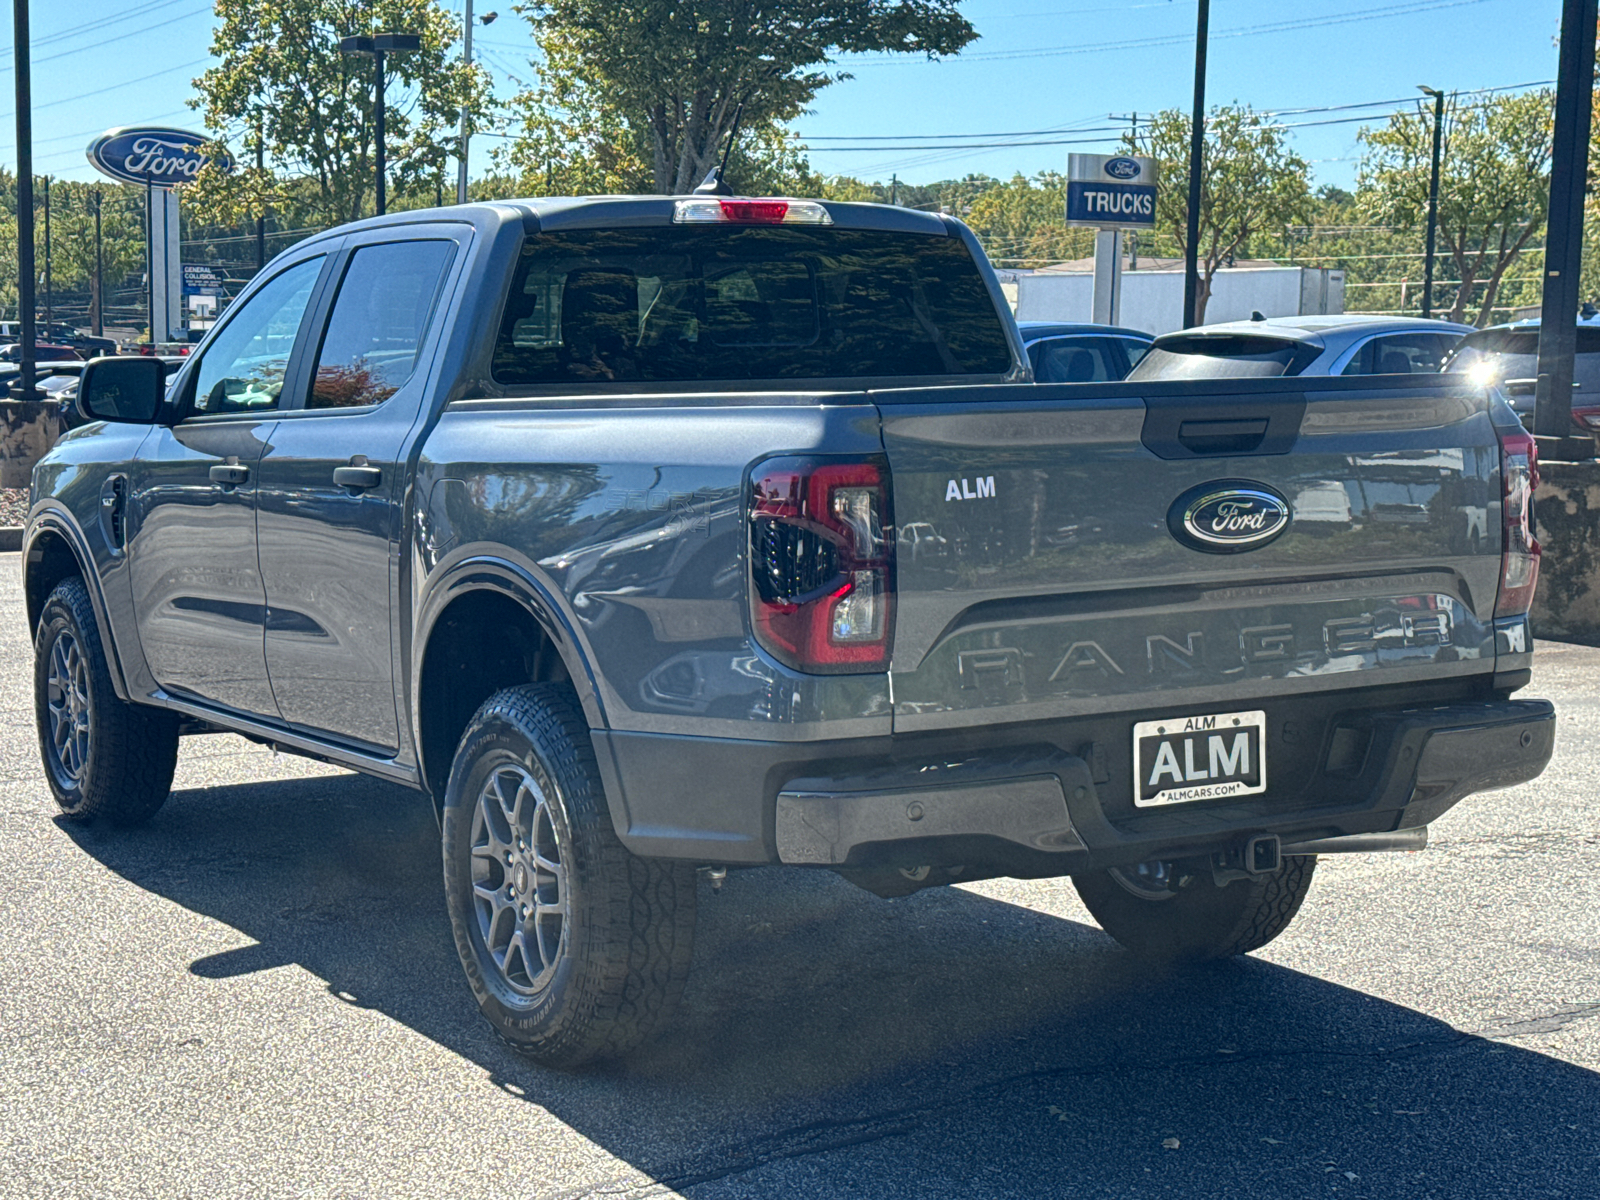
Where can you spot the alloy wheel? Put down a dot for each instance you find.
(519, 878)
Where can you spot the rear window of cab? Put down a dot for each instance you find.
(690, 304)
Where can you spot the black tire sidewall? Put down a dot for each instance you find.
(493, 742)
(59, 616)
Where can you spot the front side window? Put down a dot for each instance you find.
(684, 304)
(244, 368)
(378, 323)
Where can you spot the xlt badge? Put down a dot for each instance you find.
(1226, 516)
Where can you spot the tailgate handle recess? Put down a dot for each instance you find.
(1222, 437)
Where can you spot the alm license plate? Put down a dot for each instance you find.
(1209, 757)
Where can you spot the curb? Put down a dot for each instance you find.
(10, 538)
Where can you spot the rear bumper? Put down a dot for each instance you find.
(1029, 807)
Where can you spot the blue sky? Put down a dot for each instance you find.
(1056, 65)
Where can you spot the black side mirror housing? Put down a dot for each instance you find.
(123, 388)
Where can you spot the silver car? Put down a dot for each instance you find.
(1351, 344)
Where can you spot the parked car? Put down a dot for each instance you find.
(561, 512)
(1066, 353)
(42, 352)
(1349, 344)
(1507, 357)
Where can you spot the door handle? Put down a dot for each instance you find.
(358, 475)
(230, 474)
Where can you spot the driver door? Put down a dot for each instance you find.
(198, 596)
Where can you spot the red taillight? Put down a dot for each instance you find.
(1519, 552)
(755, 212)
(822, 563)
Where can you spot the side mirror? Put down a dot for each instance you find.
(123, 388)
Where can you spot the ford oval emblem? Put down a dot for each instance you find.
(1228, 515)
(154, 155)
(1122, 168)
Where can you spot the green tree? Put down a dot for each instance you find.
(1023, 222)
(1494, 186)
(1251, 183)
(678, 71)
(122, 249)
(283, 78)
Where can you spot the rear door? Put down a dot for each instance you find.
(1071, 585)
(332, 483)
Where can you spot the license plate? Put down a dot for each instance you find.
(1209, 757)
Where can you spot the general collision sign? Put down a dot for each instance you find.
(1111, 191)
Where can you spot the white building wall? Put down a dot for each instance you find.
(1153, 300)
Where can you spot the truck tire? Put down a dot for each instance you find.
(1199, 921)
(575, 949)
(103, 757)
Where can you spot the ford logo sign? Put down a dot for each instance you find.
(1122, 168)
(1227, 516)
(153, 155)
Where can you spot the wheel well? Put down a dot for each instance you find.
(50, 560)
(482, 642)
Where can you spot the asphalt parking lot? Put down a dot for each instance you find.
(256, 995)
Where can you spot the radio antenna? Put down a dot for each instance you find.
(715, 183)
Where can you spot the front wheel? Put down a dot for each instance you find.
(574, 948)
(103, 757)
(1158, 911)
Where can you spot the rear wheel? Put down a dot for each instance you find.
(103, 757)
(575, 948)
(1159, 911)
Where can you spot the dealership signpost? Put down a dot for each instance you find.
(158, 158)
(1110, 193)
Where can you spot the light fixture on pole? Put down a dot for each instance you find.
(488, 18)
(1433, 197)
(377, 46)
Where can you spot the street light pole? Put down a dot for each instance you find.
(377, 118)
(1433, 199)
(1197, 145)
(24, 81)
(98, 326)
(378, 45)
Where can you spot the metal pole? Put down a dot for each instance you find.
(49, 308)
(1197, 142)
(1558, 333)
(466, 54)
(98, 324)
(150, 261)
(1433, 206)
(377, 83)
(261, 216)
(25, 297)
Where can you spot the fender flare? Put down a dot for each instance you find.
(56, 520)
(488, 571)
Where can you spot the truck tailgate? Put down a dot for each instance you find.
(1045, 570)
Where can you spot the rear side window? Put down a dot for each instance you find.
(378, 322)
(1217, 357)
(685, 304)
(1400, 354)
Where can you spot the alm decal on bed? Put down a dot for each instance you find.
(961, 489)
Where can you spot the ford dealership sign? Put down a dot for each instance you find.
(1111, 191)
(153, 155)
(1123, 168)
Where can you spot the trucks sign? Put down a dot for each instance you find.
(1111, 191)
(153, 155)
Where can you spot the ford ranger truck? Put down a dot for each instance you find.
(657, 534)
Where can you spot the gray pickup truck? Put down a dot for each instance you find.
(655, 535)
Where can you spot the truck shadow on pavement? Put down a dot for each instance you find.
(832, 1043)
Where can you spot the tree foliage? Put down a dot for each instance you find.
(1251, 182)
(676, 72)
(1494, 186)
(283, 78)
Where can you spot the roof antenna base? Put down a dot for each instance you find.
(713, 184)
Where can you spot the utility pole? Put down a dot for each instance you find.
(97, 326)
(461, 158)
(894, 189)
(1197, 146)
(261, 215)
(1558, 320)
(1433, 198)
(25, 283)
(49, 309)
(1133, 234)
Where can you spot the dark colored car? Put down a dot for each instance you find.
(652, 534)
(1507, 357)
(42, 352)
(1068, 353)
